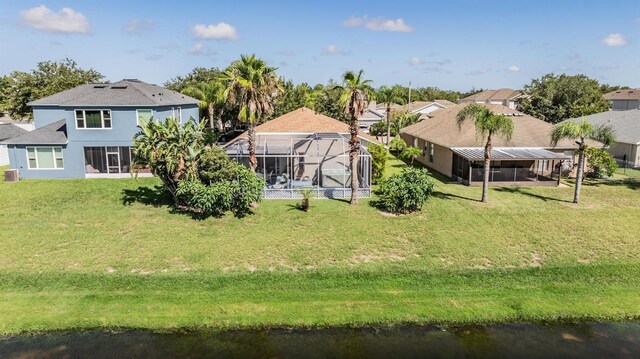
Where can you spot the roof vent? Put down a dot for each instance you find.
(118, 87)
(99, 86)
(131, 80)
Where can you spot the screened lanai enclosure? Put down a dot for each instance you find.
(290, 163)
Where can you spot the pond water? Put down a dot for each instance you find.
(584, 340)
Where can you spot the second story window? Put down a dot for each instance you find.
(145, 114)
(176, 112)
(93, 119)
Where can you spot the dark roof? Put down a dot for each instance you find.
(626, 124)
(51, 134)
(122, 93)
(626, 94)
(477, 154)
(9, 130)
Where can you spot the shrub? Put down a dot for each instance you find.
(378, 161)
(410, 154)
(305, 202)
(405, 192)
(380, 129)
(599, 162)
(397, 144)
(235, 194)
(214, 165)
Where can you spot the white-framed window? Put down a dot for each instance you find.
(176, 112)
(93, 119)
(146, 114)
(431, 152)
(44, 158)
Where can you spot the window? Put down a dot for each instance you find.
(176, 112)
(45, 158)
(147, 115)
(93, 119)
(431, 152)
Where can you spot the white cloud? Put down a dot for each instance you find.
(397, 25)
(353, 21)
(378, 24)
(615, 39)
(513, 68)
(66, 20)
(219, 31)
(199, 49)
(136, 26)
(333, 50)
(415, 61)
(563, 68)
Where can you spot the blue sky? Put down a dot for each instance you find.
(449, 44)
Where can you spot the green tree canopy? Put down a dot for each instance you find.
(196, 77)
(555, 98)
(50, 77)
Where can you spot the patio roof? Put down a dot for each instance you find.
(513, 153)
(293, 144)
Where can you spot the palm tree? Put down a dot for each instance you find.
(355, 92)
(389, 95)
(355, 96)
(487, 124)
(410, 154)
(581, 132)
(211, 96)
(252, 86)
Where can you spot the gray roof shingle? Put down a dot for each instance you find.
(122, 93)
(51, 134)
(9, 130)
(626, 124)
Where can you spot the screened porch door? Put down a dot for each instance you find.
(113, 160)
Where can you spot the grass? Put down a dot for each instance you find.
(112, 253)
(628, 172)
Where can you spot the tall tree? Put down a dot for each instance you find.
(581, 132)
(252, 86)
(50, 77)
(487, 124)
(554, 98)
(197, 76)
(355, 96)
(389, 95)
(212, 97)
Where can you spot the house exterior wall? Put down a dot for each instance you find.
(4, 155)
(622, 105)
(442, 156)
(123, 128)
(619, 150)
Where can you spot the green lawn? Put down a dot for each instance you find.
(112, 253)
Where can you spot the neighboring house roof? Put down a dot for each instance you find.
(370, 113)
(303, 121)
(442, 129)
(626, 124)
(503, 94)
(51, 134)
(445, 103)
(7, 119)
(128, 92)
(628, 94)
(10, 130)
(414, 105)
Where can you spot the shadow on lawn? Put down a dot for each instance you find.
(155, 196)
(524, 192)
(443, 195)
(630, 183)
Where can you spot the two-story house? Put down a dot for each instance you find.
(87, 131)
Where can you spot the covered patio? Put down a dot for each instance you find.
(291, 162)
(509, 166)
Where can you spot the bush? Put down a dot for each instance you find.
(397, 144)
(405, 192)
(214, 165)
(305, 202)
(599, 162)
(378, 161)
(235, 194)
(380, 129)
(409, 154)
